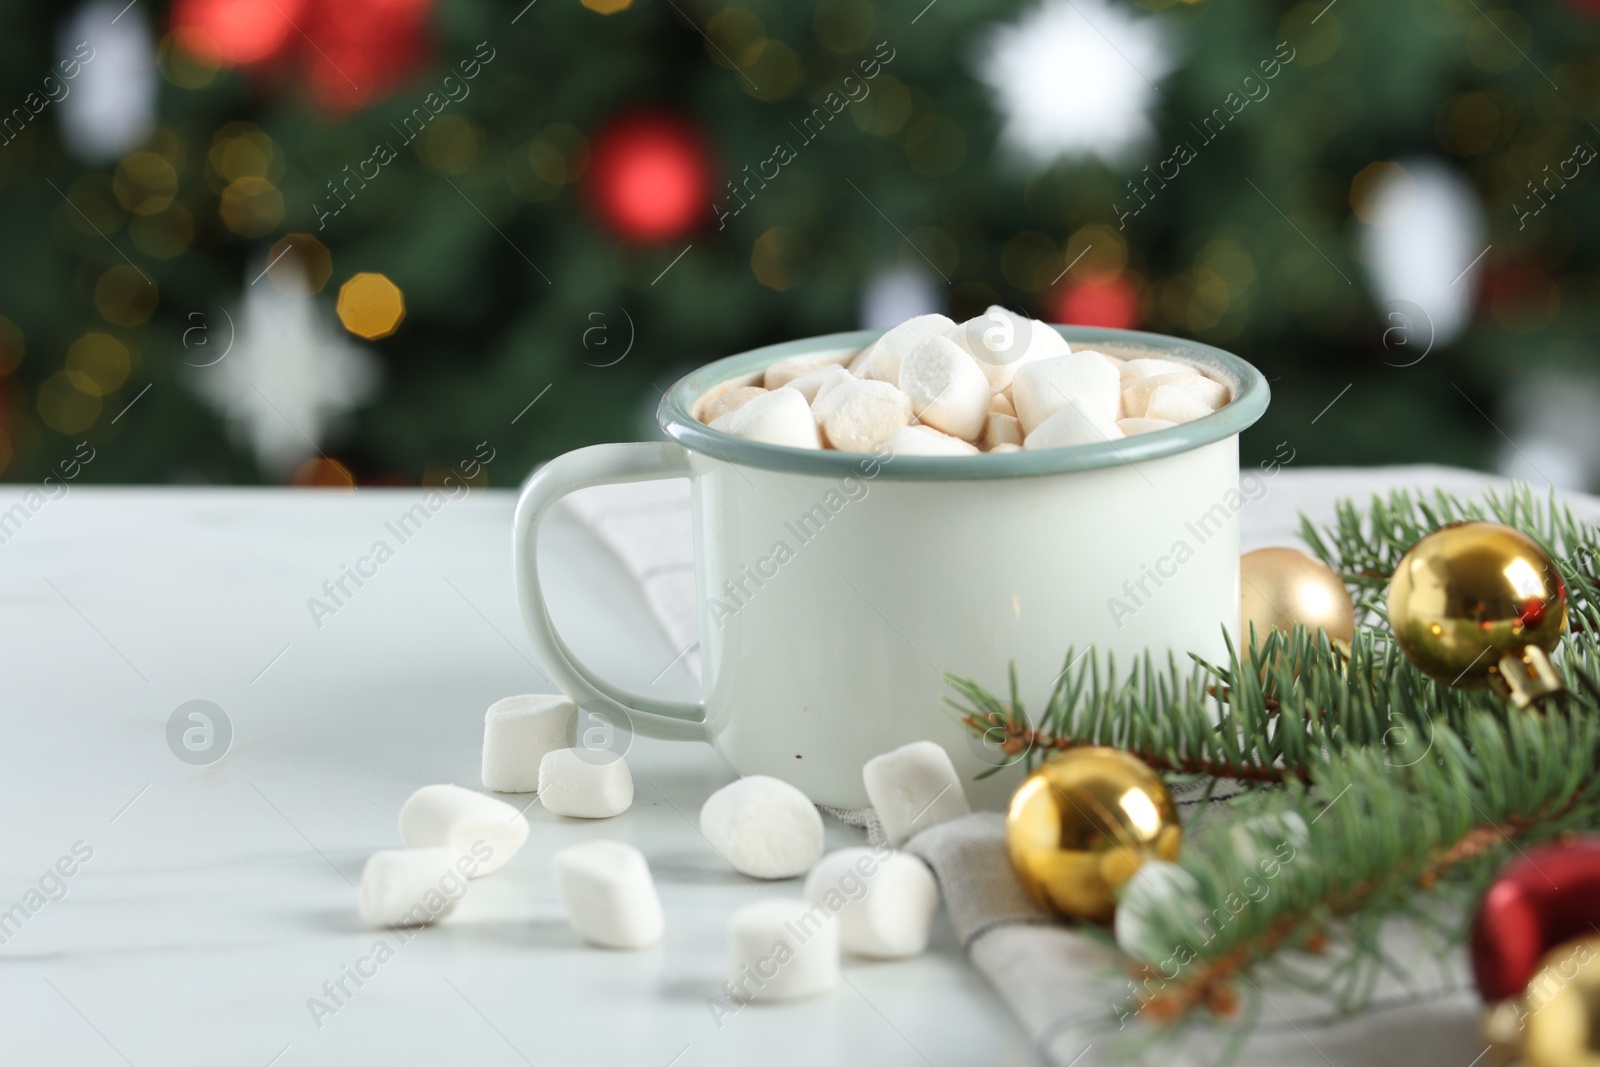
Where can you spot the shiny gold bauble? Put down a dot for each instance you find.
(1082, 824)
(1477, 603)
(1279, 587)
(1562, 1005)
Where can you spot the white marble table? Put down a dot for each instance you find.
(218, 900)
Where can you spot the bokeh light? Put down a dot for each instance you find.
(64, 407)
(778, 258)
(145, 183)
(557, 156)
(13, 346)
(371, 306)
(98, 363)
(163, 235)
(321, 472)
(234, 32)
(125, 295)
(1112, 302)
(650, 177)
(251, 207)
(299, 265)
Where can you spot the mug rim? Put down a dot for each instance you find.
(1251, 393)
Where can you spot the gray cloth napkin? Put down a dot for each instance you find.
(1067, 986)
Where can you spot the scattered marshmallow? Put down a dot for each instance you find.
(861, 416)
(778, 417)
(785, 371)
(448, 816)
(1002, 448)
(1001, 430)
(947, 389)
(1176, 404)
(782, 949)
(1041, 389)
(609, 896)
(1001, 341)
(1134, 369)
(584, 783)
(764, 826)
(1000, 404)
(412, 886)
(517, 732)
(1080, 422)
(730, 401)
(811, 385)
(926, 441)
(1133, 427)
(912, 788)
(884, 355)
(884, 904)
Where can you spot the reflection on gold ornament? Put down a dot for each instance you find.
(1562, 1005)
(1279, 587)
(1081, 826)
(1478, 603)
(371, 306)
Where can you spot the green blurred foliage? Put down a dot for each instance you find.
(1499, 91)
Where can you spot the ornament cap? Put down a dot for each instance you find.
(1526, 676)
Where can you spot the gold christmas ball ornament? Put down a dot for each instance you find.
(1561, 1008)
(1478, 603)
(1279, 587)
(1082, 824)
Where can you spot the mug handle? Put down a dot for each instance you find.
(596, 465)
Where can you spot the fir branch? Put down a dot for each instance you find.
(1265, 717)
(1388, 788)
(1365, 548)
(1374, 835)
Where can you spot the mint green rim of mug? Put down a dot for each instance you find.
(1250, 397)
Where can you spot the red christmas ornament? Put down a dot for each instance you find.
(349, 53)
(1544, 899)
(649, 177)
(1112, 302)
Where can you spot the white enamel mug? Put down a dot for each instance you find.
(836, 588)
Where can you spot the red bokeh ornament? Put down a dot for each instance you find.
(649, 177)
(1106, 301)
(349, 53)
(1548, 896)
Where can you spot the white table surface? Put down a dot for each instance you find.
(218, 900)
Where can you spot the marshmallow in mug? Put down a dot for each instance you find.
(999, 382)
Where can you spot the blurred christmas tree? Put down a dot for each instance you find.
(406, 222)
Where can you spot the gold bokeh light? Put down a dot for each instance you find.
(371, 306)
